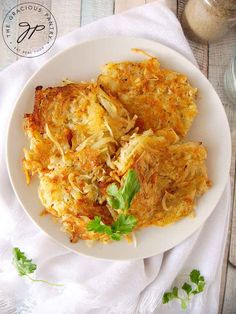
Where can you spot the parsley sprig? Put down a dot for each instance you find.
(123, 225)
(25, 267)
(122, 198)
(119, 199)
(197, 286)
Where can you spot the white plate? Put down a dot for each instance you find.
(83, 62)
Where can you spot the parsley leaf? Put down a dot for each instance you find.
(97, 225)
(24, 266)
(122, 198)
(194, 276)
(116, 199)
(175, 292)
(187, 288)
(123, 225)
(198, 282)
(201, 286)
(168, 296)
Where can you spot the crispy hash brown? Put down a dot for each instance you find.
(159, 97)
(85, 136)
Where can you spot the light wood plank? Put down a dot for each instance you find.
(224, 273)
(123, 5)
(230, 292)
(232, 254)
(67, 14)
(6, 55)
(91, 10)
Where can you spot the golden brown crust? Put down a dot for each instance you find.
(159, 97)
(44, 102)
(170, 181)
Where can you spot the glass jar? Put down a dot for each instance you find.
(208, 20)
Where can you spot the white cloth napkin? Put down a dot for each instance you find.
(96, 286)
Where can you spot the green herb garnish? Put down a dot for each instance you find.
(122, 198)
(119, 199)
(196, 286)
(123, 225)
(24, 266)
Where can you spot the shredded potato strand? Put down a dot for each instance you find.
(50, 136)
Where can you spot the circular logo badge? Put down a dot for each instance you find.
(29, 29)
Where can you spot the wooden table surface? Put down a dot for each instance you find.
(212, 59)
